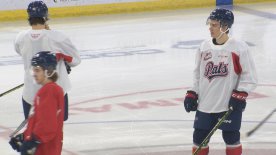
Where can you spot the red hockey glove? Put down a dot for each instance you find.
(238, 100)
(190, 102)
(66, 58)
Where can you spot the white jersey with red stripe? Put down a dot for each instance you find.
(219, 70)
(29, 42)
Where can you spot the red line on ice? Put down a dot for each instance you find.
(128, 94)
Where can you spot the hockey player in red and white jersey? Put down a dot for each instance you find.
(44, 132)
(40, 38)
(224, 75)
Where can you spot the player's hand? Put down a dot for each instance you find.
(190, 102)
(238, 100)
(29, 147)
(47, 27)
(16, 142)
(61, 56)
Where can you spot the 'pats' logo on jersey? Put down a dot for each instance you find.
(213, 71)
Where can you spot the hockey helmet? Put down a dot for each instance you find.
(37, 9)
(45, 59)
(224, 16)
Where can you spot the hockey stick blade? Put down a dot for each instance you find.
(13, 89)
(252, 131)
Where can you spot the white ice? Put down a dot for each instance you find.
(127, 93)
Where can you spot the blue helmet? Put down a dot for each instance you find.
(45, 59)
(224, 16)
(37, 9)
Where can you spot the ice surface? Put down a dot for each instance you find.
(127, 93)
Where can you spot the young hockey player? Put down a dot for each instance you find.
(40, 38)
(44, 134)
(224, 75)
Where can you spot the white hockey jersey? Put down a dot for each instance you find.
(219, 70)
(29, 42)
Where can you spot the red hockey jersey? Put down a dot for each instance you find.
(46, 120)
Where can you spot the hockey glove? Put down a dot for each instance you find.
(238, 100)
(29, 147)
(16, 142)
(190, 102)
(66, 58)
(68, 68)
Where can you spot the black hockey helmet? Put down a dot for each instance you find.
(37, 9)
(45, 59)
(224, 16)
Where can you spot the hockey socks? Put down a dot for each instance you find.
(203, 151)
(234, 150)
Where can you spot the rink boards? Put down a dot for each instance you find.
(15, 10)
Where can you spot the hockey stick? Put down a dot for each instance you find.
(206, 140)
(6, 92)
(249, 133)
(21, 126)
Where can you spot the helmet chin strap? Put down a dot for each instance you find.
(47, 76)
(46, 73)
(221, 33)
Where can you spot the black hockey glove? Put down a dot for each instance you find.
(68, 68)
(29, 147)
(190, 102)
(238, 100)
(16, 142)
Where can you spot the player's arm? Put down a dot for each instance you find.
(248, 76)
(244, 66)
(196, 72)
(69, 53)
(17, 43)
(190, 102)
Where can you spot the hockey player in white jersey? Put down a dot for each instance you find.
(223, 76)
(41, 38)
